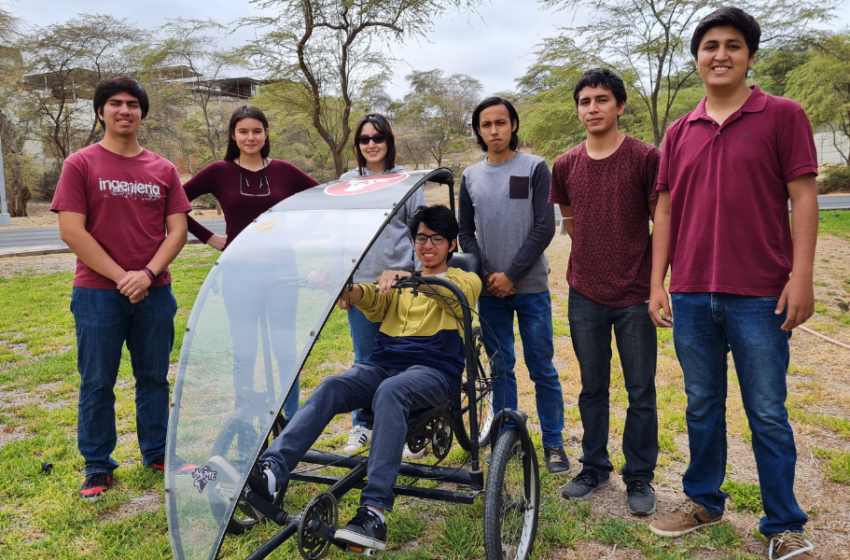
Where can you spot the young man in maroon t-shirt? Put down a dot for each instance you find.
(116, 201)
(606, 189)
(726, 175)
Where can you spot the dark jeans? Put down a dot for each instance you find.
(363, 333)
(707, 326)
(590, 329)
(534, 315)
(392, 394)
(104, 320)
(250, 299)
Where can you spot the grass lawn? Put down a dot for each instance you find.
(42, 517)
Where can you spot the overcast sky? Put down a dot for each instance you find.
(495, 46)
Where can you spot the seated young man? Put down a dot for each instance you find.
(418, 360)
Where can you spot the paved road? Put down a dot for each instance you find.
(46, 240)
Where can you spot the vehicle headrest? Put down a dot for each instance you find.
(468, 262)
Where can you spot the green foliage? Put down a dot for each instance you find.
(834, 178)
(835, 225)
(773, 65)
(838, 468)
(745, 496)
(820, 86)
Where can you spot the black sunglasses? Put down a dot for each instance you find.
(363, 140)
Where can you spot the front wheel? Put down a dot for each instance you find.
(511, 500)
(483, 398)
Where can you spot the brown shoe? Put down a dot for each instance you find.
(790, 545)
(689, 517)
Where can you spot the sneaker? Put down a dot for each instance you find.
(790, 545)
(182, 466)
(258, 481)
(409, 455)
(366, 530)
(95, 484)
(641, 497)
(584, 485)
(358, 438)
(556, 459)
(688, 518)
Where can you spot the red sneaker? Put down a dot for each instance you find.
(95, 485)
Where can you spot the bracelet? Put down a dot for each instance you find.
(567, 217)
(151, 274)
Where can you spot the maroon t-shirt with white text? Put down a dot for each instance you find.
(729, 226)
(611, 256)
(125, 201)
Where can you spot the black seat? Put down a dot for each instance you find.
(468, 262)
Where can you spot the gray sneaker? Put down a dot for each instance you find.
(641, 497)
(585, 484)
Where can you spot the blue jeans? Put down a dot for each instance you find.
(104, 321)
(534, 314)
(590, 329)
(363, 333)
(391, 393)
(707, 326)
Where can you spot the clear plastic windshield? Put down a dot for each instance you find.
(253, 325)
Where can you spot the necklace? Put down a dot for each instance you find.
(243, 179)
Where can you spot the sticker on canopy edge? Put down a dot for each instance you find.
(365, 184)
(203, 476)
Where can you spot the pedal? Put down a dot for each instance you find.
(362, 550)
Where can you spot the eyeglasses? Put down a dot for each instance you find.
(244, 179)
(436, 239)
(363, 140)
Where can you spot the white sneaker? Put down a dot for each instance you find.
(409, 455)
(358, 438)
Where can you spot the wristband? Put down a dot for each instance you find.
(151, 274)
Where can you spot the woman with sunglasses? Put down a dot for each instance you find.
(246, 184)
(374, 148)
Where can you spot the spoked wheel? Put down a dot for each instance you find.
(511, 500)
(483, 397)
(239, 433)
(319, 513)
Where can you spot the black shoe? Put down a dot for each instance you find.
(556, 459)
(182, 466)
(258, 482)
(585, 484)
(95, 485)
(366, 530)
(641, 498)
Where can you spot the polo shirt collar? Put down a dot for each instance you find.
(754, 104)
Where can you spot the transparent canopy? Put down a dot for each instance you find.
(252, 327)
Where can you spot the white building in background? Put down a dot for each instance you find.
(825, 143)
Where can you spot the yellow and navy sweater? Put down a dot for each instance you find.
(426, 330)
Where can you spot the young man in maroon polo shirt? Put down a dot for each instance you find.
(116, 201)
(606, 189)
(727, 172)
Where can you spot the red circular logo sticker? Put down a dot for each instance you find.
(364, 184)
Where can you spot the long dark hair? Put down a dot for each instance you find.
(246, 112)
(383, 126)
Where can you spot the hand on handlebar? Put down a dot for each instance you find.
(388, 279)
(320, 280)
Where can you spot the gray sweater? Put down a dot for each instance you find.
(506, 219)
(393, 250)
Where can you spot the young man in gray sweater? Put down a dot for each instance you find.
(506, 219)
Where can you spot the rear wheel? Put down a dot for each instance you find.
(511, 500)
(239, 433)
(483, 398)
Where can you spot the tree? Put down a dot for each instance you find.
(329, 50)
(822, 87)
(648, 41)
(438, 110)
(189, 67)
(64, 63)
(11, 73)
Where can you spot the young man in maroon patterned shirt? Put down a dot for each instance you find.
(606, 190)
